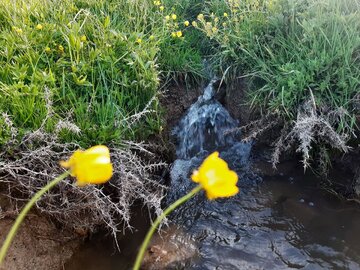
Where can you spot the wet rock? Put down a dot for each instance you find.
(171, 249)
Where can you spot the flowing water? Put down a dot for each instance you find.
(279, 220)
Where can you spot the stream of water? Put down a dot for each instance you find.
(279, 220)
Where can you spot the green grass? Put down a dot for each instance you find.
(97, 58)
(290, 50)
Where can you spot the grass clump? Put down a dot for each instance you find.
(96, 59)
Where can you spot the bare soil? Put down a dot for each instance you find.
(38, 245)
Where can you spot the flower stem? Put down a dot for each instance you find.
(157, 222)
(24, 211)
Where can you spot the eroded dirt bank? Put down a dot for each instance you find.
(39, 244)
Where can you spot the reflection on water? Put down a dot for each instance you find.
(100, 252)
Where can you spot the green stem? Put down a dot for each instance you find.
(157, 222)
(24, 211)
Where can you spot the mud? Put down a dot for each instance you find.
(39, 244)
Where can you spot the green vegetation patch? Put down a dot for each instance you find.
(90, 63)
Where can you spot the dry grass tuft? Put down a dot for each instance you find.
(36, 162)
(311, 126)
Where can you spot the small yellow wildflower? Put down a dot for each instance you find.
(161, 8)
(173, 16)
(17, 30)
(214, 29)
(138, 41)
(47, 50)
(83, 38)
(167, 17)
(157, 3)
(215, 178)
(186, 23)
(179, 34)
(194, 24)
(39, 27)
(61, 48)
(224, 24)
(225, 14)
(151, 37)
(173, 34)
(216, 19)
(92, 166)
(200, 16)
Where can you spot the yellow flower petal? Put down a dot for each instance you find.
(92, 166)
(216, 178)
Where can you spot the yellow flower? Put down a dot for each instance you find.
(173, 34)
(151, 37)
(157, 3)
(214, 29)
(91, 166)
(39, 27)
(173, 16)
(138, 41)
(224, 24)
(179, 34)
(61, 48)
(194, 23)
(47, 49)
(167, 17)
(83, 38)
(216, 19)
(186, 23)
(161, 8)
(200, 16)
(215, 178)
(225, 14)
(17, 30)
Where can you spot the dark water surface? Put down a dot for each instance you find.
(283, 222)
(279, 220)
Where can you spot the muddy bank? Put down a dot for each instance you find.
(39, 244)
